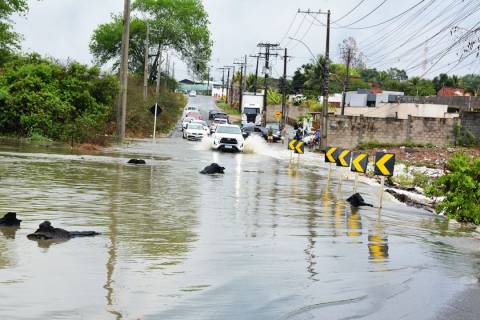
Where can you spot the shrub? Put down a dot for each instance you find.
(461, 188)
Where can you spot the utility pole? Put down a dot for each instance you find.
(159, 74)
(268, 47)
(173, 70)
(228, 82)
(145, 70)
(208, 81)
(231, 85)
(326, 75)
(347, 78)
(240, 91)
(223, 79)
(256, 74)
(284, 90)
(122, 101)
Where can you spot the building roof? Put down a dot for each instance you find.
(450, 92)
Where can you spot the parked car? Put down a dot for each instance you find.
(228, 137)
(194, 131)
(216, 122)
(192, 93)
(277, 133)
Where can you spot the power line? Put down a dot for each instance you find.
(365, 16)
(289, 27)
(348, 13)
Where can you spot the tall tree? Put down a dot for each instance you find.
(180, 25)
(9, 40)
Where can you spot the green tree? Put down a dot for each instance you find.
(62, 102)
(180, 25)
(471, 83)
(9, 40)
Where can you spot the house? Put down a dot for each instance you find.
(450, 92)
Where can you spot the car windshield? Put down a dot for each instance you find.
(232, 130)
(220, 115)
(195, 126)
(220, 121)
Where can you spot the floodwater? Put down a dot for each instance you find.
(267, 240)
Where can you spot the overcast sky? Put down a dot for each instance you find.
(62, 29)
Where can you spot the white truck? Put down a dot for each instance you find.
(252, 108)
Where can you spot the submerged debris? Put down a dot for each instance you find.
(213, 169)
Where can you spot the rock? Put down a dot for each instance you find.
(10, 220)
(409, 201)
(45, 231)
(213, 169)
(136, 161)
(356, 200)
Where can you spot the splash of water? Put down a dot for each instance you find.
(205, 144)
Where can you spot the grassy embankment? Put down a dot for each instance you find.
(233, 113)
(139, 121)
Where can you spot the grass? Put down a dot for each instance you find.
(139, 122)
(228, 109)
(376, 145)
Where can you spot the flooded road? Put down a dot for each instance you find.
(265, 241)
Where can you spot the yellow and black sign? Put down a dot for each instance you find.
(384, 164)
(278, 115)
(359, 162)
(298, 146)
(343, 159)
(291, 144)
(332, 154)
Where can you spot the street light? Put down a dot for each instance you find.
(306, 46)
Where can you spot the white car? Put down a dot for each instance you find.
(228, 137)
(204, 124)
(186, 121)
(192, 93)
(194, 131)
(216, 122)
(189, 109)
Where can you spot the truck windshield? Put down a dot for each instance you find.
(250, 110)
(232, 130)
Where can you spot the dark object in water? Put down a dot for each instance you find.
(212, 169)
(356, 200)
(45, 231)
(136, 161)
(409, 201)
(10, 220)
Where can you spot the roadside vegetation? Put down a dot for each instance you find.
(460, 187)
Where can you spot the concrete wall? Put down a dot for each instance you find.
(293, 112)
(350, 131)
(471, 122)
(401, 111)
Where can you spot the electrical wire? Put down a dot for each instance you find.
(289, 28)
(349, 12)
(365, 16)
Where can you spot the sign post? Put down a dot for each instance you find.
(331, 156)
(359, 165)
(384, 166)
(155, 121)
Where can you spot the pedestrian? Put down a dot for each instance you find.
(270, 134)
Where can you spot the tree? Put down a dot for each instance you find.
(180, 25)
(9, 40)
(397, 74)
(471, 83)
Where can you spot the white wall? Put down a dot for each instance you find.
(400, 111)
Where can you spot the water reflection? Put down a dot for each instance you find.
(9, 232)
(354, 223)
(378, 241)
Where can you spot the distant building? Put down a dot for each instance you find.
(189, 85)
(450, 92)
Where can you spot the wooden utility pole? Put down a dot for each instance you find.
(240, 91)
(145, 70)
(284, 91)
(267, 47)
(159, 73)
(326, 76)
(122, 101)
(347, 78)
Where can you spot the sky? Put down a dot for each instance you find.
(63, 28)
